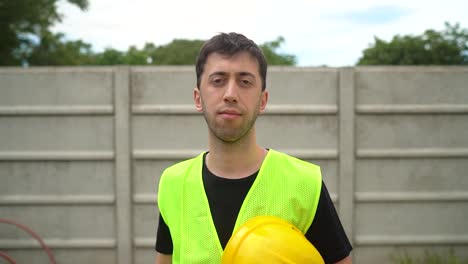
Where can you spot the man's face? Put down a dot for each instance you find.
(230, 95)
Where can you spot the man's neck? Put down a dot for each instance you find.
(235, 160)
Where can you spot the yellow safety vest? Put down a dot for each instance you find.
(285, 187)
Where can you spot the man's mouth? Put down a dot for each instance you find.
(230, 113)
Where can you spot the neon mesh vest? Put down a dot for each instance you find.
(285, 187)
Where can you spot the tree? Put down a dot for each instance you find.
(448, 47)
(169, 54)
(109, 56)
(136, 57)
(27, 40)
(21, 24)
(184, 52)
(53, 50)
(177, 52)
(180, 52)
(273, 57)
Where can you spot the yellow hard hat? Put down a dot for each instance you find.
(269, 239)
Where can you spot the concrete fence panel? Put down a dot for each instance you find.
(81, 151)
(411, 178)
(56, 163)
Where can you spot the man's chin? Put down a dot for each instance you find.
(229, 138)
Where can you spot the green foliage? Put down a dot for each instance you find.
(184, 52)
(429, 258)
(448, 47)
(27, 40)
(273, 57)
(109, 57)
(53, 50)
(135, 56)
(178, 52)
(24, 21)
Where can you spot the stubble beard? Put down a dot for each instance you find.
(231, 135)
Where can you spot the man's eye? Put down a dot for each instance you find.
(246, 82)
(217, 81)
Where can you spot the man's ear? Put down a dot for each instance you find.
(263, 101)
(197, 99)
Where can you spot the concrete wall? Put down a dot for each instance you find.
(81, 151)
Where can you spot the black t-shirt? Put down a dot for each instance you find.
(225, 197)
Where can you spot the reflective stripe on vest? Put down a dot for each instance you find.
(285, 187)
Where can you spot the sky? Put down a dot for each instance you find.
(318, 32)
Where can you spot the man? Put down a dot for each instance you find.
(203, 200)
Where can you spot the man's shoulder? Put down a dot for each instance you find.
(295, 160)
(179, 168)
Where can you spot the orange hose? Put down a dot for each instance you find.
(30, 232)
(8, 258)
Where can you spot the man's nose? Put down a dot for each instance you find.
(230, 94)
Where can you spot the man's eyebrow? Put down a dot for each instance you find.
(218, 73)
(222, 73)
(246, 74)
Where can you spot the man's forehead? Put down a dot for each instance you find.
(244, 61)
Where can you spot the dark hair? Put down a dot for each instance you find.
(230, 44)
